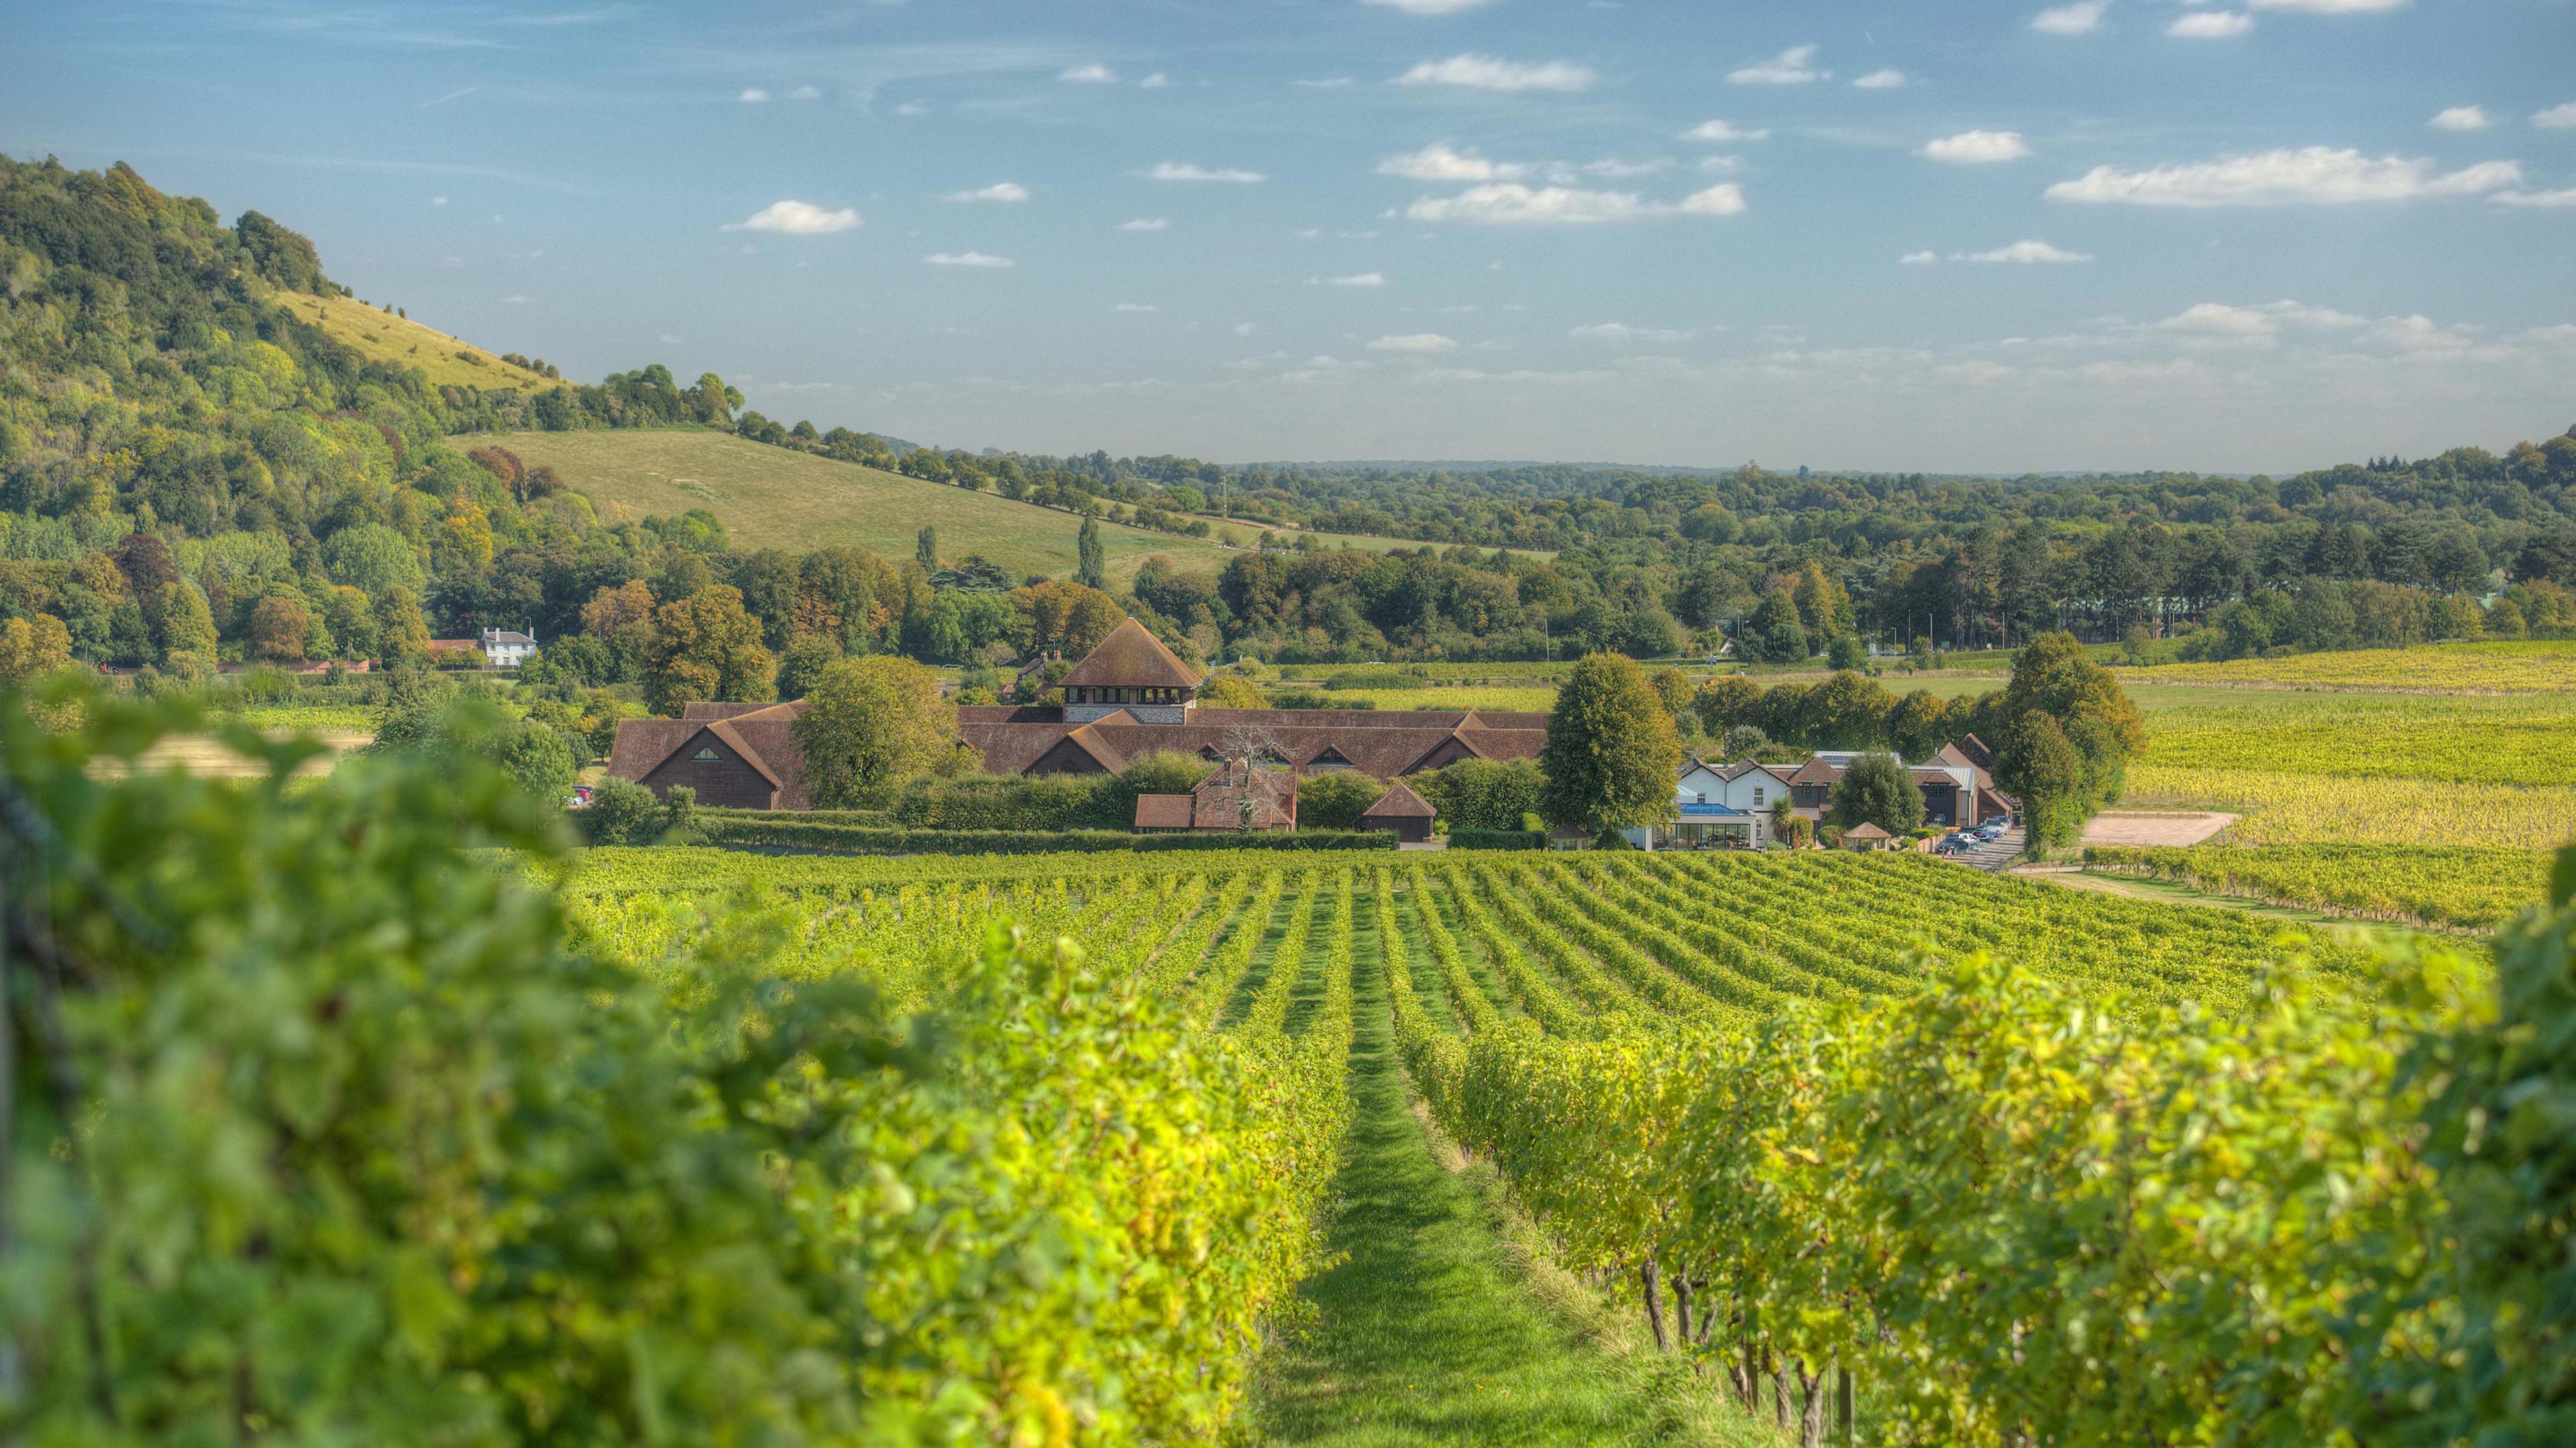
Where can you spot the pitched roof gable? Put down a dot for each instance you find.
(1131, 657)
(1400, 803)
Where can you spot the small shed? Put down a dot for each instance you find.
(1403, 811)
(1867, 836)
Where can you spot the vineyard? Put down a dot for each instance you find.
(2464, 886)
(2461, 668)
(347, 1130)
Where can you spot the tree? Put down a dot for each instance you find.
(925, 548)
(705, 647)
(2040, 767)
(402, 636)
(1915, 727)
(1225, 691)
(187, 627)
(1774, 635)
(1674, 688)
(278, 626)
(1092, 567)
(1725, 702)
(30, 648)
(1847, 711)
(1484, 794)
(1844, 651)
(1824, 609)
(806, 657)
(1878, 789)
(1743, 742)
(1611, 754)
(867, 723)
(1335, 799)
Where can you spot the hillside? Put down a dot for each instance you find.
(771, 497)
(383, 337)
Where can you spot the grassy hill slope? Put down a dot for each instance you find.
(769, 497)
(386, 337)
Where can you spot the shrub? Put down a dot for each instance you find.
(1336, 800)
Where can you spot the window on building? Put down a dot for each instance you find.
(1700, 798)
(1757, 794)
(706, 756)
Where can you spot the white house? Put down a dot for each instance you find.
(1719, 804)
(503, 649)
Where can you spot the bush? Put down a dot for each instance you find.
(620, 812)
(1335, 801)
(1498, 839)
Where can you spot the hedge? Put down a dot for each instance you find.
(799, 834)
(1498, 839)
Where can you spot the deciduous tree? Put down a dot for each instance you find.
(867, 723)
(705, 647)
(1878, 789)
(1611, 753)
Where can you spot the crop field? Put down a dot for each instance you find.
(2465, 886)
(1621, 1035)
(2461, 668)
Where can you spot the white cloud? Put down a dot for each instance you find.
(1440, 162)
(2220, 324)
(797, 218)
(913, 108)
(2080, 18)
(2461, 118)
(753, 96)
(1147, 223)
(1888, 79)
(2313, 175)
(1510, 203)
(2211, 24)
(1184, 171)
(1794, 66)
(1156, 81)
(1355, 279)
(967, 258)
(805, 93)
(514, 299)
(2329, 7)
(1093, 74)
(2025, 253)
(1136, 307)
(1969, 148)
(1414, 342)
(1918, 258)
(1330, 82)
(438, 201)
(1622, 332)
(2556, 118)
(670, 341)
(2551, 200)
(1427, 7)
(998, 191)
(1616, 169)
(1723, 131)
(1486, 72)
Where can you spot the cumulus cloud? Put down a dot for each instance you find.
(2556, 118)
(968, 258)
(1486, 72)
(998, 191)
(1723, 131)
(2551, 200)
(1794, 66)
(2329, 7)
(1439, 161)
(1888, 79)
(1414, 342)
(2313, 175)
(2080, 18)
(1147, 223)
(1971, 148)
(753, 95)
(1136, 307)
(2226, 325)
(2211, 24)
(797, 218)
(1427, 7)
(805, 93)
(1510, 203)
(1355, 279)
(1184, 171)
(1093, 74)
(2461, 118)
(1156, 81)
(2025, 253)
(1918, 258)
(1622, 332)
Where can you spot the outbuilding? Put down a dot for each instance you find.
(1408, 814)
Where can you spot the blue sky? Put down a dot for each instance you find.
(2254, 235)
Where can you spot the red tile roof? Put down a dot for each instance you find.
(1400, 802)
(1131, 657)
(1163, 811)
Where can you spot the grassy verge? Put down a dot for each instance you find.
(1440, 1322)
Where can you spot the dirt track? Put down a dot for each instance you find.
(2161, 828)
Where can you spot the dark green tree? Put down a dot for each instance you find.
(1611, 754)
(1773, 635)
(1878, 789)
(1092, 567)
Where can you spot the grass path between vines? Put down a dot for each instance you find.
(1437, 1326)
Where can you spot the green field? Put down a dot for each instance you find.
(384, 337)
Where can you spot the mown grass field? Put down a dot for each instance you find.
(447, 361)
(769, 497)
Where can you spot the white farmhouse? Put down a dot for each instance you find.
(503, 649)
(1719, 804)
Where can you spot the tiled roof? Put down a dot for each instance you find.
(1131, 657)
(1866, 831)
(1383, 743)
(1217, 803)
(1163, 811)
(1400, 803)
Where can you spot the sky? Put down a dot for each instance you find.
(2234, 236)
